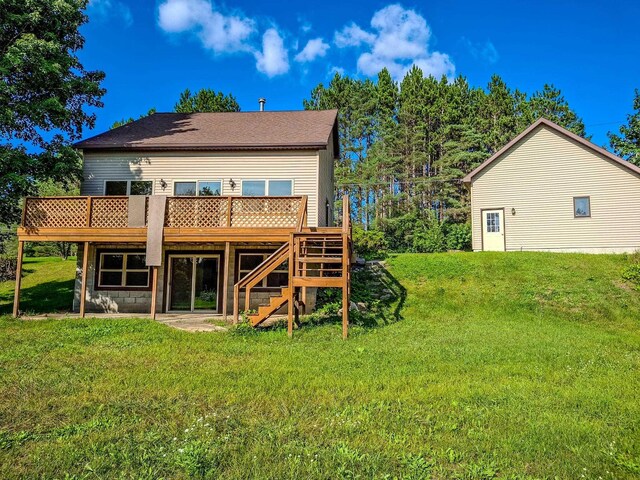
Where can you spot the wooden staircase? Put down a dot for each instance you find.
(315, 257)
(265, 311)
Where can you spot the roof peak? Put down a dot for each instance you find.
(557, 128)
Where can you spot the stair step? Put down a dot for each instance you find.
(265, 311)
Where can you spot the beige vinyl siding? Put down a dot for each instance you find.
(301, 166)
(539, 177)
(325, 184)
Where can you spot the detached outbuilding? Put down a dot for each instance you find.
(551, 190)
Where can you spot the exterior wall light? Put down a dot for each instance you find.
(163, 184)
(232, 184)
(513, 211)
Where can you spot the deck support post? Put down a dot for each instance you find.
(225, 281)
(290, 305)
(345, 285)
(154, 291)
(83, 287)
(16, 296)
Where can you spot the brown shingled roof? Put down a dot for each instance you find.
(305, 129)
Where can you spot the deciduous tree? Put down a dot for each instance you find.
(44, 95)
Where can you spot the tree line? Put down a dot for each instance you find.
(405, 147)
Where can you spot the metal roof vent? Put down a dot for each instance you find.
(262, 101)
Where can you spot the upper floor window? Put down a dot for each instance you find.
(128, 187)
(200, 187)
(581, 206)
(258, 188)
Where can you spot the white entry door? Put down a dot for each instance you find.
(493, 230)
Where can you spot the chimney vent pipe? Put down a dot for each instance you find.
(262, 101)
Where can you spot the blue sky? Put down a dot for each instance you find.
(152, 50)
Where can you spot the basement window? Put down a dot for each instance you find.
(248, 261)
(118, 270)
(581, 207)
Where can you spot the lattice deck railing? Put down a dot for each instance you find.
(181, 212)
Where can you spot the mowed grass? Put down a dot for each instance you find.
(47, 286)
(520, 365)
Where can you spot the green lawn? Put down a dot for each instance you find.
(47, 286)
(516, 365)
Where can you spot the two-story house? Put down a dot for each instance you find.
(204, 212)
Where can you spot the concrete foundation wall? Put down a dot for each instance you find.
(139, 301)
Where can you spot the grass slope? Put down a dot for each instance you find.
(502, 366)
(47, 286)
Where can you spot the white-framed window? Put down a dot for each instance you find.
(581, 207)
(197, 187)
(247, 261)
(128, 187)
(493, 222)
(272, 188)
(123, 269)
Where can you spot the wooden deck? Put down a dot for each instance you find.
(316, 256)
(187, 219)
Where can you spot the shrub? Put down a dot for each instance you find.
(459, 236)
(430, 238)
(632, 274)
(399, 231)
(8, 268)
(369, 243)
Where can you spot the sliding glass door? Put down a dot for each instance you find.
(193, 283)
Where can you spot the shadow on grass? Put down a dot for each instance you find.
(378, 295)
(48, 297)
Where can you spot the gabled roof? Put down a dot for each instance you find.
(562, 131)
(305, 129)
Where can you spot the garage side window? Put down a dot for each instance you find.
(581, 207)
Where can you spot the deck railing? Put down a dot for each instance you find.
(181, 212)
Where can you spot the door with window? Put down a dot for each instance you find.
(493, 230)
(193, 283)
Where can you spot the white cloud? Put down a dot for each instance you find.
(334, 70)
(274, 58)
(482, 51)
(218, 32)
(313, 49)
(107, 9)
(352, 36)
(399, 39)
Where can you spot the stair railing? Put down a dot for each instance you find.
(255, 276)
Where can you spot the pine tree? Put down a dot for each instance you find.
(498, 115)
(206, 100)
(550, 104)
(627, 144)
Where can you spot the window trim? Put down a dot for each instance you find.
(193, 255)
(124, 252)
(266, 253)
(588, 197)
(267, 186)
(197, 182)
(104, 186)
